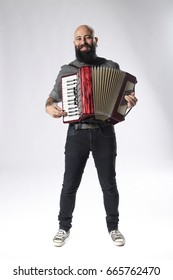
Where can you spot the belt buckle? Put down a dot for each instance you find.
(93, 125)
(90, 125)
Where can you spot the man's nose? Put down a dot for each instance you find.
(83, 40)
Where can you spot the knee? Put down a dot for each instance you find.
(69, 189)
(110, 190)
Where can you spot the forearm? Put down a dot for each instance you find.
(50, 101)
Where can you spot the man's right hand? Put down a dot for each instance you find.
(55, 111)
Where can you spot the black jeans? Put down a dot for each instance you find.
(79, 143)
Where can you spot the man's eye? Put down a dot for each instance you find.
(88, 37)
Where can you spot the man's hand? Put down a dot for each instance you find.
(131, 100)
(55, 111)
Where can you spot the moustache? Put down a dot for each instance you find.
(86, 44)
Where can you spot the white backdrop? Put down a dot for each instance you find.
(36, 39)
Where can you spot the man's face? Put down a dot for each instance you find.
(85, 45)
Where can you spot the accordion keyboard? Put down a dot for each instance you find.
(70, 102)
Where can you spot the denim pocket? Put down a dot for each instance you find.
(107, 131)
(72, 131)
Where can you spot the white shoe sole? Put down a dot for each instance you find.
(59, 244)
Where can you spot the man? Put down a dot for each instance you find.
(93, 136)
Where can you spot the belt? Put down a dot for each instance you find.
(90, 125)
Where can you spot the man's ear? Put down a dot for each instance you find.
(95, 41)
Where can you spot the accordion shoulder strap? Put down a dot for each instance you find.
(99, 61)
(70, 64)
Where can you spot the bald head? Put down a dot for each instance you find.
(84, 28)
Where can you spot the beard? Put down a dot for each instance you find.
(86, 56)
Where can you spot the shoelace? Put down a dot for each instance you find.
(60, 233)
(116, 234)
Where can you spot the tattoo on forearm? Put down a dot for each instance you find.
(50, 101)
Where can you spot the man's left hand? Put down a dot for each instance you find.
(131, 100)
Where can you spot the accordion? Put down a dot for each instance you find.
(96, 93)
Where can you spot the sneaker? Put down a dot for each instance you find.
(117, 237)
(60, 237)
